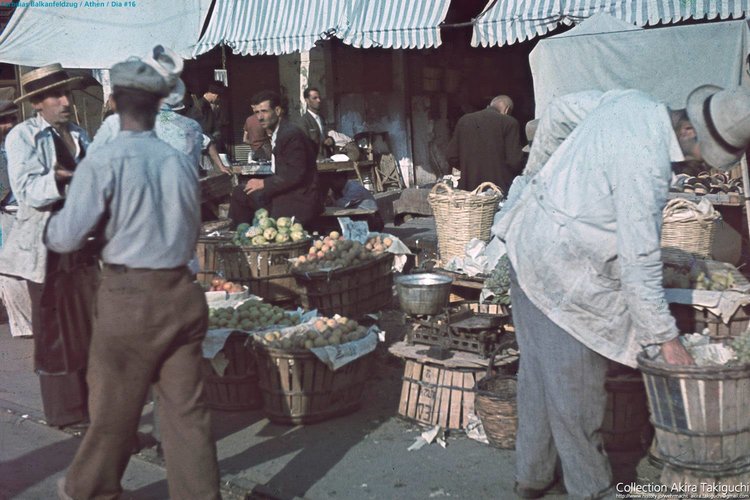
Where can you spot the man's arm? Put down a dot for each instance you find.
(90, 190)
(32, 183)
(640, 183)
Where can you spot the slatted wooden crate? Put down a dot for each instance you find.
(237, 388)
(298, 388)
(435, 395)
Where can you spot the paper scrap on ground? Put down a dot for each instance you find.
(434, 434)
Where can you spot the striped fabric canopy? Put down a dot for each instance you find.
(270, 27)
(397, 24)
(277, 27)
(510, 21)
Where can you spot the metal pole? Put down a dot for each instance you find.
(746, 190)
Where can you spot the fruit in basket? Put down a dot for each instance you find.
(243, 227)
(253, 231)
(252, 315)
(270, 234)
(283, 222)
(266, 223)
(697, 278)
(319, 334)
(296, 235)
(261, 213)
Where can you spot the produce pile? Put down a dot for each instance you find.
(335, 252)
(266, 230)
(741, 346)
(498, 282)
(696, 278)
(219, 284)
(251, 315)
(709, 183)
(324, 331)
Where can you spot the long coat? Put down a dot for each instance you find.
(486, 147)
(293, 189)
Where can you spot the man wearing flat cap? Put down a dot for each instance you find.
(151, 314)
(583, 239)
(42, 153)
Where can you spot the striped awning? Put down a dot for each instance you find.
(509, 21)
(271, 27)
(396, 24)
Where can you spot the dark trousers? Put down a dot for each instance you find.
(242, 206)
(64, 395)
(561, 404)
(148, 330)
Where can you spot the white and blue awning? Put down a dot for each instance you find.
(395, 24)
(277, 27)
(509, 21)
(271, 27)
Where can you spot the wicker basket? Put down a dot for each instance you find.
(266, 269)
(495, 404)
(298, 388)
(461, 216)
(684, 239)
(352, 291)
(238, 388)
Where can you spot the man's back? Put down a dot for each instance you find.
(151, 196)
(486, 144)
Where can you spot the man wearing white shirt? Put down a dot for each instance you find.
(312, 122)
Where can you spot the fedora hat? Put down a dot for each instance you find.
(136, 74)
(721, 119)
(46, 78)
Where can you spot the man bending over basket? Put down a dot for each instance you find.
(583, 239)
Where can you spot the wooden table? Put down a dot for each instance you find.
(352, 166)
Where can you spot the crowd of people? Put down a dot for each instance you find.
(122, 212)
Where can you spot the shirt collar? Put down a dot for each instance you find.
(315, 115)
(138, 133)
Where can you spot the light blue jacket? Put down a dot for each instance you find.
(31, 158)
(584, 235)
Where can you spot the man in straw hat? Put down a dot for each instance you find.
(584, 244)
(42, 153)
(13, 291)
(151, 313)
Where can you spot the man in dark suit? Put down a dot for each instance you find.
(486, 146)
(312, 123)
(292, 189)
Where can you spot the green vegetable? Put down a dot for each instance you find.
(498, 281)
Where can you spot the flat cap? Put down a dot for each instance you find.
(136, 74)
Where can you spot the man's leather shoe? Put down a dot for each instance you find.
(555, 486)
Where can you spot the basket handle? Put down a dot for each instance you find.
(490, 185)
(443, 186)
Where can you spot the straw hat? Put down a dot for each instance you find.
(46, 78)
(722, 123)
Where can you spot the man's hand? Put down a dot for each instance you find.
(328, 141)
(675, 353)
(62, 174)
(254, 185)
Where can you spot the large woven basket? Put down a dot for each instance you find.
(687, 234)
(462, 215)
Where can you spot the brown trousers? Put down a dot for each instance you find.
(148, 328)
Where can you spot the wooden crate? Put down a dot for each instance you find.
(434, 395)
(692, 319)
(208, 256)
(298, 388)
(237, 388)
(352, 291)
(266, 270)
